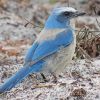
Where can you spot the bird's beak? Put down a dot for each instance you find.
(76, 14)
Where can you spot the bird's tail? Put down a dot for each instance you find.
(19, 76)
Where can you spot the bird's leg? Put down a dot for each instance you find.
(44, 78)
(55, 77)
(35, 78)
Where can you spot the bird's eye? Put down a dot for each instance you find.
(66, 13)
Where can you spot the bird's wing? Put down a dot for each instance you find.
(30, 52)
(47, 47)
(37, 52)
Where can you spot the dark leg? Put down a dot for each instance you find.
(44, 78)
(54, 76)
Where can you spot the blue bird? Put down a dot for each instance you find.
(53, 49)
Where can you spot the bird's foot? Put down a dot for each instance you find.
(44, 78)
(54, 78)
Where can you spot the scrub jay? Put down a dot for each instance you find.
(53, 49)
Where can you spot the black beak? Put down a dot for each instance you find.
(76, 14)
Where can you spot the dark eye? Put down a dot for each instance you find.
(66, 13)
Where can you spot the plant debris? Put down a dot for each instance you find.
(78, 92)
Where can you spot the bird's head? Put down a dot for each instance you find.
(60, 17)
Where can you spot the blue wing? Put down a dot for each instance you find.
(30, 52)
(36, 52)
(48, 47)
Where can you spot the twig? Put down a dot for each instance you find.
(28, 22)
(83, 29)
(83, 52)
(97, 22)
(42, 86)
(48, 85)
(86, 30)
(38, 95)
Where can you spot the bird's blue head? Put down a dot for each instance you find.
(60, 17)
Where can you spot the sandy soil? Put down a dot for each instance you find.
(80, 81)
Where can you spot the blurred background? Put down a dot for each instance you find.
(20, 23)
(22, 20)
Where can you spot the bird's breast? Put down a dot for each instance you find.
(58, 61)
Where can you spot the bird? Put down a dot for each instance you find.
(52, 50)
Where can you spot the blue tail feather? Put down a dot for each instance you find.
(20, 75)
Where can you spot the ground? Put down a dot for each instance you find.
(20, 23)
(81, 81)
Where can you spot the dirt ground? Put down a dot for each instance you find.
(20, 23)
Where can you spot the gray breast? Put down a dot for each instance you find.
(58, 61)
